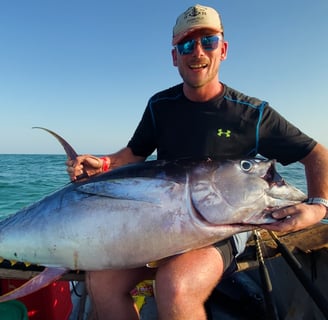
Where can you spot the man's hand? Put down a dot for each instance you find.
(84, 166)
(296, 217)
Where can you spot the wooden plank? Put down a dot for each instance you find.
(314, 238)
(30, 272)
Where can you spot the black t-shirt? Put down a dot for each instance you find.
(231, 125)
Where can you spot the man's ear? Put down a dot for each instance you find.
(174, 57)
(224, 50)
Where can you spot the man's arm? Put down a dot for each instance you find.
(304, 215)
(91, 165)
(316, 169)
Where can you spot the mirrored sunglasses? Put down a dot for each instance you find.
(208, 43)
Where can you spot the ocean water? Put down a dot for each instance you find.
(24, 179)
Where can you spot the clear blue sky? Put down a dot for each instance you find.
(86, 69)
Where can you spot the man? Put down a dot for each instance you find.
(202, 118)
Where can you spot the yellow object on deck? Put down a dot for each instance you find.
(141, 291)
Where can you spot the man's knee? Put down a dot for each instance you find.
(191, 274)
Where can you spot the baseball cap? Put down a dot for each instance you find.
(195, 18)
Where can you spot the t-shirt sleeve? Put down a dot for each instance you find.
(143, 142)
(281, 140)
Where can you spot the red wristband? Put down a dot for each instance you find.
(105, 166)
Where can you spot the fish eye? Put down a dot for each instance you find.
(246, 165)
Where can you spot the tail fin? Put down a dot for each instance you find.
(38, 282)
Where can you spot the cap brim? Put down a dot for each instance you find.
(181, 35)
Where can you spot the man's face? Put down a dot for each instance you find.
(198, 61)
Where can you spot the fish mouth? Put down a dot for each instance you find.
(272, 177)
(279, 189)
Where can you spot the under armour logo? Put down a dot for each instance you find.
(220, 133)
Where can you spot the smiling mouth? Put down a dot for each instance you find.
(198, 66)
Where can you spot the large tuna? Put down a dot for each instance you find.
(142, 213)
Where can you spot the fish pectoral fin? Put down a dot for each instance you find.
(47, 276)
(137, 188)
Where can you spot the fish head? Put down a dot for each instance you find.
(244, 192)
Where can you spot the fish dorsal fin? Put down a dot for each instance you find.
(47, 276)
(70, 152)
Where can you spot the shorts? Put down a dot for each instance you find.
(228, 252)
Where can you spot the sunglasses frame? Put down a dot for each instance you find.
(208, 43)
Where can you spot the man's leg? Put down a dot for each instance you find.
(109, 291)
(184, 283)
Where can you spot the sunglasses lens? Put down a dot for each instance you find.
(186, 47)
(210, 43)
